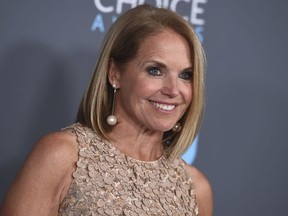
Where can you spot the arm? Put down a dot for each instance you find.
(44, 179)
(203, 191)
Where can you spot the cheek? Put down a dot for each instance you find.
(145, 88)
(188, 94)
(134, 90)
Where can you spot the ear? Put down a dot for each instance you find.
(113, 73)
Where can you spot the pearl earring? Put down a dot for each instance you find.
(177, 127)
(111, 119)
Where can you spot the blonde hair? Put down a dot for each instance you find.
(121, 44)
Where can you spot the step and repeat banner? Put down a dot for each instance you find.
(108, 11)
(48, 50)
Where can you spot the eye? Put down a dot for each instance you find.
(186, 75)
(154, 71)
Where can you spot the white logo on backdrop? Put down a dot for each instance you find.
(113, 8)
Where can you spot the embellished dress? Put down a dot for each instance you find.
(108, 182)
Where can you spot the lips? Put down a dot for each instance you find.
(164, 107)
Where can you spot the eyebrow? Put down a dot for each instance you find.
(158, 63)
(162, 65)
(188, 69)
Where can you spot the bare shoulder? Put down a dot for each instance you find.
(47, 170)
(203, 191)
(60, 146)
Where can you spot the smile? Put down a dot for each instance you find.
(165, 107)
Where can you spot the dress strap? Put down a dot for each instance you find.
(84, 135)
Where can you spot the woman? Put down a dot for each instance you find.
(141, 110)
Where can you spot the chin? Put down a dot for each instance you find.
(165, 128)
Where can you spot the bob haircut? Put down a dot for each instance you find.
(121, 44)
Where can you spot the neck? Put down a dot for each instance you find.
(140, 144)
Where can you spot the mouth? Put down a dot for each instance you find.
(164, 107)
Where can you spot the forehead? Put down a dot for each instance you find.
(166, 44)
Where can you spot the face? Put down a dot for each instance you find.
(155, 87)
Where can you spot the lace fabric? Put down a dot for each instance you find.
(107, 182)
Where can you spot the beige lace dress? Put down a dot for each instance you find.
(107, 182)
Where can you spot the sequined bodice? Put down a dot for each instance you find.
(107, 182)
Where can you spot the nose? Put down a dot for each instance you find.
(170, 86)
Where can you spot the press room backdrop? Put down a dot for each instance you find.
(48, 50)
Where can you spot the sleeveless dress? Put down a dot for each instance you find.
(108, 182)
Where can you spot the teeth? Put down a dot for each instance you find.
(163, 106)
